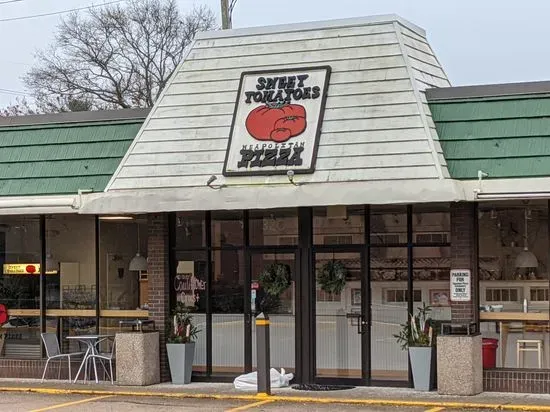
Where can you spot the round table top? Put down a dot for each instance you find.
(89, 337)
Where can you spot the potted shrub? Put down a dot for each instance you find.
(418, 336)
(182, 334)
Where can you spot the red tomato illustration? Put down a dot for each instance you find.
(276, 122)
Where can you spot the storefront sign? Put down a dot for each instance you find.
(460, 285)
(186, 284)
(24, 269)
(277, 122)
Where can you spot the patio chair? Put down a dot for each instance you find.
(106, 357)
(53, 352)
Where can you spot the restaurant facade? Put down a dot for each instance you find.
(335, 150)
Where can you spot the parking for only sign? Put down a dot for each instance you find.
(460, 285)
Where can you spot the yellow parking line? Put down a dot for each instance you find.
(250, 405)
(63, 405)
(435, 410)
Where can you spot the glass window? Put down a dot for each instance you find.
(227, 229)
(20, 251)
(189, 287)
(123, 247)
(513, 268)
(228, 309)
(388, 225)
(339, 225)
(190, 230)
(431, 224)
(274, 227)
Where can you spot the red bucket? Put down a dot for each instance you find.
(489, 352)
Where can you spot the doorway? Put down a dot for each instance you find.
(342, 316)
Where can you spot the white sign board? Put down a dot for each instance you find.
(461, 285)
(277, 122)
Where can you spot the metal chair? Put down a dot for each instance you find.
(108, 357)
(51, 344)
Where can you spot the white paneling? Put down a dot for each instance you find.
(422, 56)
(427, 68)
(152, 135)
(286, 47)
(390, 173)
(219, 78)
(176, 157)
(409, 33)
(354, 137)
(375, 148)
(359, 112)
(295, 36)
(334, 89)
(374, 128)
(394, 59)
(372, 124)
(179, 146)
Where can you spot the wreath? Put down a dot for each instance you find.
(332, 277)
(275, 278)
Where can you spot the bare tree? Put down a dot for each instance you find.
(115, 57)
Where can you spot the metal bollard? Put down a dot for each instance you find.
(262, 352)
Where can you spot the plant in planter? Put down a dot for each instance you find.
(418, 336)
(332, 277)
(182, 334)
(274, 279)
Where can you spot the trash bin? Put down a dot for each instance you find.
(489, 353)
(459, 360)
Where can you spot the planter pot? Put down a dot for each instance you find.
(423, 364)
(180, 359)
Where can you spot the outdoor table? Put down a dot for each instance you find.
(91, 342)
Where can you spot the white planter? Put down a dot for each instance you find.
(423, 367)
(180, 359)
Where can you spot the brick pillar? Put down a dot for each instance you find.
(464, 256)
(159, 281)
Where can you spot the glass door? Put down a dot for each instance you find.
(341, 316)
(272, 291)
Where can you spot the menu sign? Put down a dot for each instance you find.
(277, 122)
(460, 285)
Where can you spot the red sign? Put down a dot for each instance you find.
(255, 285)
(30, 269)
(3, 314)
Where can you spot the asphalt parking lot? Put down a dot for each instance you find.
(19, 402)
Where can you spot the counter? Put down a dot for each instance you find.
(504, 319)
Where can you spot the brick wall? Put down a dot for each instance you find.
(158, 276)
(464, 255)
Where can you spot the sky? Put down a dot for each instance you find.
(476, 41)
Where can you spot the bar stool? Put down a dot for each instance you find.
(529, 345)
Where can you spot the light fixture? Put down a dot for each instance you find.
(116, 218)
(138, 262)
(526, 258)
(211, 180)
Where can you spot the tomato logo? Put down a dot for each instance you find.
(276, 122)
(30, 269)
(3, 314)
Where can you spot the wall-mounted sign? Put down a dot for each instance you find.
(460, 285)
(24, 269)
(277, 122)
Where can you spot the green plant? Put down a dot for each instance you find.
(275, 278)
(332, 276)
(181, 328)
(418, 331)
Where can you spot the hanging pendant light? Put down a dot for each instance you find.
(138, 262)
(526, 258)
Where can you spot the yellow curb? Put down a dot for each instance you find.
(281, 398)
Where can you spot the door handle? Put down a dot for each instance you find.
(362, 324)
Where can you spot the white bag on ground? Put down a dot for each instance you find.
(249, 381)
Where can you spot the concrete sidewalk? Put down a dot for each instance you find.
(358, 396)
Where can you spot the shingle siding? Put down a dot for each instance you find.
(505, 136)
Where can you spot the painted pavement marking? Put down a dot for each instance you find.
(251, 405)
(65, 404)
